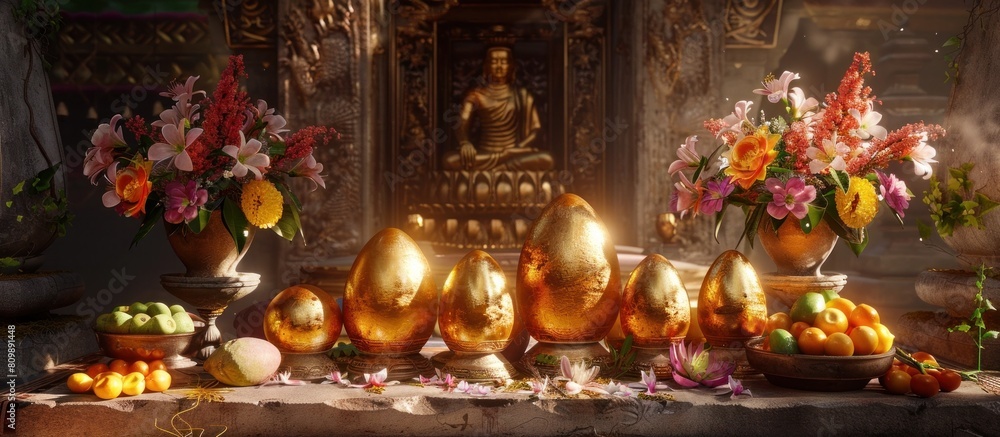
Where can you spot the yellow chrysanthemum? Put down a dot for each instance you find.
(857, 207)
(261, 203)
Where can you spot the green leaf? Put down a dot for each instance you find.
(289, 194)
(627, 344)
(812, 218)
(857, 248)
(718, 221)
(990, 335)
(11, 202)
(964, 327)
(924, 230)
(236, 223)
(287, 226)
(43, 181)
(953, 41)
(837, 181)
(199, 222)
(18, 188)
(8, 262)
(989, 306)
(153, 215)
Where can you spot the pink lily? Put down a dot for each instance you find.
(799, 105)
(175, 148)
(247, 158)
(739, 116)
(309, 168)
(694, 366)
(463, 387)
(479, 390)
(831, 155)
(736, 386)
(686, 196)
(687, 154)
(176, 91)
(428, 381)
(792, 197)
(110, 198)
(923, 156)
(282, 378)
(373, 380)
(649, 381)
(868, 123)
(776, 89)
(335, 377)
(538, 386)
(100, 156)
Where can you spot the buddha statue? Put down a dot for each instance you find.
(508, 122)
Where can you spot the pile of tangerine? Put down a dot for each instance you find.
(108, 381)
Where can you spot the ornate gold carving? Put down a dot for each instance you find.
(666, 50)
(752, 23)
(249, 23)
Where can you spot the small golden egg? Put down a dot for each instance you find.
(302, 318)
(477, 307)
(390, 300)
(731, 303)
(655, 307)
(568, 279)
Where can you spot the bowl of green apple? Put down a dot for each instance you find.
(149, 331)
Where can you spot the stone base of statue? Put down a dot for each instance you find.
(474, 367)
(398, 367)
(307, 365)
(544, 357)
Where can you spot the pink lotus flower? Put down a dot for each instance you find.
(649, 381)
(283, 378)
(183, 201)
(793, 197)
(100, 156)
(377, 380)
(579, 377)
(175, 148)
(309, 168)
(335, 377)
(736, 388)
(538, 386)
(247, 158)
(894, 192)
(715, 195)
(687, 154)
(776, 89)
(694, 366)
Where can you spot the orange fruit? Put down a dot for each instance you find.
(778, 321)
(96, 369)
(831, 320)
(79, 382)
(885, 338)
(108, 385)
(839, 344)
(865, 340)
(157, 365)
(812, 341)
(134, 383)
(158, 380)
(924, 357)
(119, 366)
(842, 304)
(797, 328)
(864, 315)
(139, 366)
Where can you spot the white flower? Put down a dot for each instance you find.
(799, 104)
(868, 124)
(740, 114)
(248, 158)
(687, 156)
(776, 89)
(830, 155)
(922, 157)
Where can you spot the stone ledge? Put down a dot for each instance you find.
(410, 410)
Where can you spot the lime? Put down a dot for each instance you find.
(782, 342)
(807, 307)
(829, 295)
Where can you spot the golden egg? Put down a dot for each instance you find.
(568, 284)
(477, 307)
(302, 318)
(731, 305)
(390, 300)
(655, 307)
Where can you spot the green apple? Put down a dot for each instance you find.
(174, 309)
(807, 307)
(184, 323)
(150, 303)
(121, 321)
(139, 322)
(161, 324)
(829, 295)
(104, 323)
(157, 308)
(122, 308)
(137, 308)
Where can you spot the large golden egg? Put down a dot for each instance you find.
(731, 305)
(302, 318)
(568, 284)
(390, 301)
(655, 306)
(477, 308)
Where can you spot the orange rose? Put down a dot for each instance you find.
(133, 186)
(749, 158)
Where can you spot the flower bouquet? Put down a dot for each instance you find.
(207, 154)
(820, 163)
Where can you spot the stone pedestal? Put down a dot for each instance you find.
(31, 295)
(43, 344)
